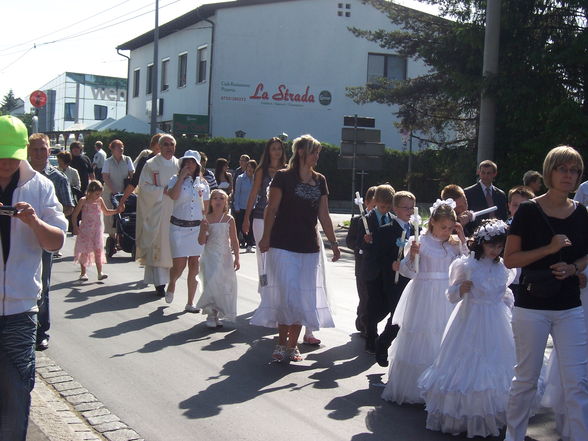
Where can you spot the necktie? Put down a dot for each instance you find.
(407, 229)
(383, 220)
(489, 200)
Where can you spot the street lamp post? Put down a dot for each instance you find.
(154, 94)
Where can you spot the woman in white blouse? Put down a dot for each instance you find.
(191, 194)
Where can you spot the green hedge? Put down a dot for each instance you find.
(432, 169)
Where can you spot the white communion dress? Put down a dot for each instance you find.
(466, 388)
(422, 313)
(219, 281)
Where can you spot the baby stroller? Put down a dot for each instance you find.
(125, 227)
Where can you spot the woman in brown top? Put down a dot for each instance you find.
(295, 295)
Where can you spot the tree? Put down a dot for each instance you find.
(540, 88)
(9, 102)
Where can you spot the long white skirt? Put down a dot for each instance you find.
(295, 293)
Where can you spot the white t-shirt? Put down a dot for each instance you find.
(99, 158)
(582, 193)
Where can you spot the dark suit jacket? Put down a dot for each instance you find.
(477, 201)
(386, 252)
(370, 267)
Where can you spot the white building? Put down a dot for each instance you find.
(265, 67)
(77, 100)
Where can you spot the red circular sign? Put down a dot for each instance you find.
(38, 98)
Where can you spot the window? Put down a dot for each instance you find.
(390, 67)
(182, 69)
(164, 75)
(149, 85)
(70, 112)
(136, 79)
(100, 112)
(201, 64)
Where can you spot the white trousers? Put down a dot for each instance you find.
(257, 227)
(531, 328)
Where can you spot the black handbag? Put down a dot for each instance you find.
(541, 283)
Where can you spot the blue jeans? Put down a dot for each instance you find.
(43, 302)
(17, 373)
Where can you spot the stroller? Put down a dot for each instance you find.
(125, 227)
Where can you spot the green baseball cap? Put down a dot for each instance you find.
(13, 138)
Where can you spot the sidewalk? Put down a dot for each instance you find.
(62, 410)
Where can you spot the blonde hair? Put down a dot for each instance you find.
(384, 194)
(39, 137)
(560, 155)
(94, 186)
(218, 191)
(398, 196)
(306, 145)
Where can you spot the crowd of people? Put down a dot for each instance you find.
(469, 295)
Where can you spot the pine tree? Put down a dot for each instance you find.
(9, 102)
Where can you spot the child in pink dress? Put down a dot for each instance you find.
(89, 246)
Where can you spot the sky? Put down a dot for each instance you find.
(42, 39)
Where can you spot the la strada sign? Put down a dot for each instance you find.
(280, 95)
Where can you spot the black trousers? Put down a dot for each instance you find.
(383, 297)
(248, 240)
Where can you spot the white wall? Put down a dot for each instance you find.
(298, 44)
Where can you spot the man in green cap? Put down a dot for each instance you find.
(31, 220)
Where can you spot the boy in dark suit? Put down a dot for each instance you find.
(388, 242)
(371, 270)
(483, 194)
(354, 240)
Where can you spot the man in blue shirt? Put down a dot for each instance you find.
(243, 187)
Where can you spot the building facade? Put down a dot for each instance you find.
(265, 68)
(77, 100)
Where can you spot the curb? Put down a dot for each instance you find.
(62, 407)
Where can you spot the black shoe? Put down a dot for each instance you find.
(382, 359)
(381, 352)
(370, 346)
(43, 344)
(160, 290)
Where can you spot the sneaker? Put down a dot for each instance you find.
(102, 276)
(191, 308)
(83, 278)
(57, 255)
(219, 323)
(248, 250)
(169, 297)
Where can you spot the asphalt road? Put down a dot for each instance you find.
(171, 379)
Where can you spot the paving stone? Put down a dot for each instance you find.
(122, 435)
(109, 418)
(59, 405)
(51, 368)
(42, 362)
(82, 407)
(60, 379)
(80, 427)
(88, 436)
(96, 412)
(109, 427)
(51, 374)
(70, 392)
(67, 414)
(82, 398)
(67, 385)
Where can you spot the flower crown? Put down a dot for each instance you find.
(490, 229)
(439, 202)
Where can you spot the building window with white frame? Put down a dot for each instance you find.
(389, 67)
(136, 80)
(182, 69)
(164, 74)
(100, 112)
(149, 85)
(201, 62)
(69, 113)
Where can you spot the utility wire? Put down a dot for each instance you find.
(72, 25)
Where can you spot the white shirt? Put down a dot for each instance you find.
(187, 206)
(582, 193)
(99, 158)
